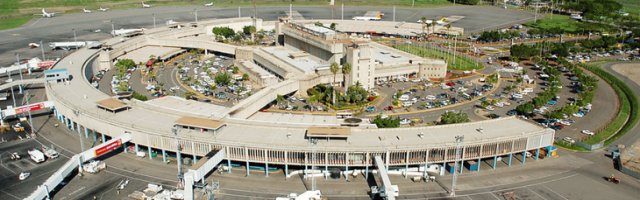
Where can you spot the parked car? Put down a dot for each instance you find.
(371, 109)
(569, 140)
(405, 121)
(587, 132)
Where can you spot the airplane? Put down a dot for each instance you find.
(208, 4)
(366, 18)
(84, 10)
(103, 9)
(46, 14)
(127, 32)
(144, 5)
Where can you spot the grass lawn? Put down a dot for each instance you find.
(462, 63)
(14, 22)
(552, 22)
(630, 6)
(13, 13)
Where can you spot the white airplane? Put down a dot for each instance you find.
(84, 10)
(366, 18)
(103, 9)
(144, 5)
(208, 4)
(46, 14)
(127, 32)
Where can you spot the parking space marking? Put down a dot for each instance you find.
(9, 169)
(553, 191)
(494, 195)
(534, 192)
(11, 195)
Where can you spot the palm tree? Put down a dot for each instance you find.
(334, 70)
(346, 70)
(433, 25)
(423, 21)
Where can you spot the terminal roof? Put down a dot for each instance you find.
(199, 123)
(328, 132)
(111, 104)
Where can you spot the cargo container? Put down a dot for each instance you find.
(472, 165)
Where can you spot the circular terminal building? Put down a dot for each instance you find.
(288, 142)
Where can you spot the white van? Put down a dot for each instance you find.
(404, 97)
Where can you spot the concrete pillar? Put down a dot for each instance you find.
(510, 156)
(461, 166)
(537, 153)
(286, 170)
(366, 171)
(479, 164)
(266, 169)
(229, 164)
(164, 156)
(524, 157)
(95, 135)
(195, 159)
(66, 122)
(86, 132)
(248, 168)
(125, 147)
(149, 148)
(136, 149)
(104, 138)
(79, 130)
(495, 161)
(346, 177)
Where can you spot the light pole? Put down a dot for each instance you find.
(74, 36)
(174, 129)
(42, 49)
(195, 11)
(19, 72)
(459, 140)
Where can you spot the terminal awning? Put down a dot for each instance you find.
(112, 104)
(197, 122)
(328, 132)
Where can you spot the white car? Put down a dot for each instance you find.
(587, 132)
(569, 140)
(24, 175)
(405, 121)
(430, 97)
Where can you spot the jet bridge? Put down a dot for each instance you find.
(200, 169)
(74, 162)
(387, 191)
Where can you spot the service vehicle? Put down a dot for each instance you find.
(36, 155)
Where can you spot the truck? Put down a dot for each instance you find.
(94, 166)
(50, 152)
(36, 155)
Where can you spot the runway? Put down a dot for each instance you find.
(61, 28)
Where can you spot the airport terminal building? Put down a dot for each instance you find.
(302, 61)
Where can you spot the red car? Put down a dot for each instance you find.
(390, 108)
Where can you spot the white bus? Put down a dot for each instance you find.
(344, 115)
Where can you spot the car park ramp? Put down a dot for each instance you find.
(200, 169)
(257, 101)
(21, 82)
(75, 162)
(387, 191)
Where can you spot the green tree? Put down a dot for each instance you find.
(334, 70)
(245, 77)
(346, 70)
(248, 30)
(189, 95)
(525, 108)
(333, 26)
(452, 117)
(388, 122)
(423, 21)
(235, 69)
(222, 79)
(225, 32)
